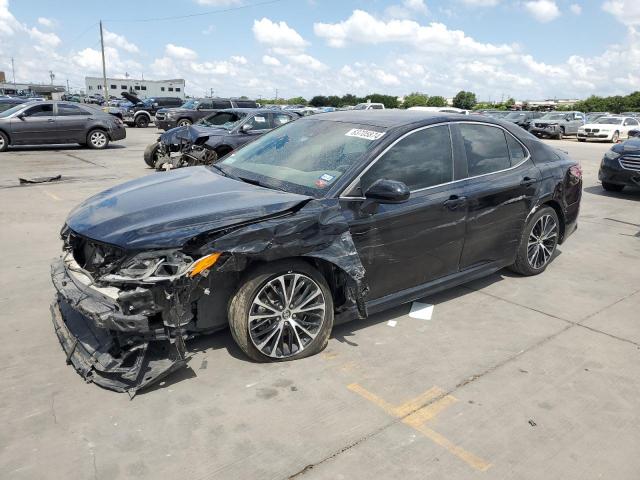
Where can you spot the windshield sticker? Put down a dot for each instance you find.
(365, 134)
(326, 177)
(259, 119)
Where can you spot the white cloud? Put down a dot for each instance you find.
(180, 53)
(44, 39)
(575, 9)
(308, 61)
(239, 59)
(271, 61)
(119, 41)
(219, 3)
(386, 78)
(625, 11)
(481, 3)
(362, 27)
(8, 23)
(278, 36)
(407, 9)
(543, 10)
(46, 22)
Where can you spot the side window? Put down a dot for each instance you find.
(630, 121)
(260, 122)
(45, 110)
(206, 106)
(516, 150)
(486, 149)
(220, 104)
(279, 119)
(422, 159)
(65, 110)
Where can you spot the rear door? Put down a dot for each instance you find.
(406, 245)
(71, 122)
(629, 124)
(36, 126)
(500, 191)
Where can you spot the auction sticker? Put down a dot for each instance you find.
(365, 134)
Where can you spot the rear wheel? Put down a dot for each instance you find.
(538, 242)
(184, 122)
(97, 139)
(612, 187)
(4, 142)
(282, 311)
(151, 154)
(142, 121)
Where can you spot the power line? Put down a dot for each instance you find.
(191, 15)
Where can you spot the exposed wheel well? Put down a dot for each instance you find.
(556, 206)
(7, 134)
(222, 150)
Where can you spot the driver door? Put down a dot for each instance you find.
(35, 126)
(406, 245)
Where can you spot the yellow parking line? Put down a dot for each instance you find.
(51, 195)
(412, 414)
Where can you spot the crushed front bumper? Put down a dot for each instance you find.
(116, 351)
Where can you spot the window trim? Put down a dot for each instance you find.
(353, 183)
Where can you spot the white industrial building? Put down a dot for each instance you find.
(140, 88)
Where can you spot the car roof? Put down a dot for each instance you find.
(249, 110)
(391, 118)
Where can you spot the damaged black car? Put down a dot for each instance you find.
(326, 219)
(212, 137)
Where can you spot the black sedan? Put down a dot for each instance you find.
(212, 137)
(326, 219)
(620, 166)
(38, 123)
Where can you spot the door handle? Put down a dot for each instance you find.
(454, 202)
(51, 120)
(528, 181)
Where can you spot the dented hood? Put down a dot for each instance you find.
(190, 134)
(167, 209)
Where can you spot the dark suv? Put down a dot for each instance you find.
(195, 109)
(144, 111)
(522, 118)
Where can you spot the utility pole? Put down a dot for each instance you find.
(13, 71)
(276, 95)
(211, 93)
(68, 90)
(104, 67)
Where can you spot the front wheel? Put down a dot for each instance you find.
(184, 122)
(97, 139)
(142, 121)
(151, 154)
(612, 187)
(615, 137)
(282, 311)
(538, 242)
(560, 135)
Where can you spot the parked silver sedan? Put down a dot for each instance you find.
(52, 122)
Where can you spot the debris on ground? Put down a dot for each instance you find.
(54, 178)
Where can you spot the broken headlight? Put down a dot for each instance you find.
(160, 265)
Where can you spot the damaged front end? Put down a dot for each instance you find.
(123, 315)
(185, 147)
(123, 321)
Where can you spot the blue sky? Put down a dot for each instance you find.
(522, 48)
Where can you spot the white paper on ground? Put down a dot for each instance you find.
(421, 311)
(392, 323)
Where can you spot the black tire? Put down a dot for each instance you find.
(184, 122)
(560, 135)
(612, 187)
(142, 121)
(582, 139)
(615, 137)
(151, 154)
(251, 286)
(4, 142)
(523, 265)
(97, 139)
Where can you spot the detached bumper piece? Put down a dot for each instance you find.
(113, 359)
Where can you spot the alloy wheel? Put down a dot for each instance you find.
(1, 143)
(184, 123)
(286, 315)
(98, 139)
(542, 241)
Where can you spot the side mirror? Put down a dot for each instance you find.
(385, 191)
(246, 128)
(21, 116)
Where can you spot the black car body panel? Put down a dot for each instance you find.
(372, 258)
(621, 164)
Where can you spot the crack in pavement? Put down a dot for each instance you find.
(458, 386)
(71, 155)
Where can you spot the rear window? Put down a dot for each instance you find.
(486, 149)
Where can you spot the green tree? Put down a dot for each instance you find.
(510, 102)
(297, 101)
(389, 101)
(437, 101)
(415, 99)
(319, 101)
(465, 100)
(349, 99)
